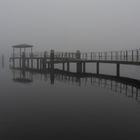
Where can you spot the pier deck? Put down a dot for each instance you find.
(47, 60)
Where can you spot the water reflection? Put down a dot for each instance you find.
(126, 86)
(22, 76)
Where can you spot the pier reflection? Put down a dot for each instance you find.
(125, 86)
(22, 76)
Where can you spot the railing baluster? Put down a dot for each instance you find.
(126, 55)
(120, 55)
(99, 55)
(116, 55)
(111, 55)
(137, 55)
(132, 55)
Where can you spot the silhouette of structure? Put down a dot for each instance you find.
(21, 56)
(125, 86)
(48, 60)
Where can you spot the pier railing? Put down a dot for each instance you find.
(128, 55)
(131, 55)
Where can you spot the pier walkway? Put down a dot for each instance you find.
(47, 60)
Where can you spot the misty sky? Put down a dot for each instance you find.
(88, 25)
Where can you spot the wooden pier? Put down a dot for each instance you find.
(47, 60)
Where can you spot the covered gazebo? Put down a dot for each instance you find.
(22, 48)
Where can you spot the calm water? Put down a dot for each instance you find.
(68, 109)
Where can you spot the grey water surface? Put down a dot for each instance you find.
(66, 109)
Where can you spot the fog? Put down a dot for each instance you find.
(68, 25)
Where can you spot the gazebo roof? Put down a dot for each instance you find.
(22, 46)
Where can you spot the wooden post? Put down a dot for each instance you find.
(31, 58)
(37, 61)
(25, 51)
(132, 55)
(111, 55)
(79, 64)
(126, 55)
(52, 59)
(137, 55)
(69, 55)
(40, 63)
(63, 65)
(28, 63)
(44, 60)
(97, 67)
(84, 67)
(105, 55)
(20, 57)
(79, 67)
(68, 66)
(20, 52)
(31, 62)
(120, 55)
(31, 50)
(99, 55)
(23, 60)
(86, 56)
(91, 56)
(78, 54)
(116, 55)
(13, 57)
(118, 70)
